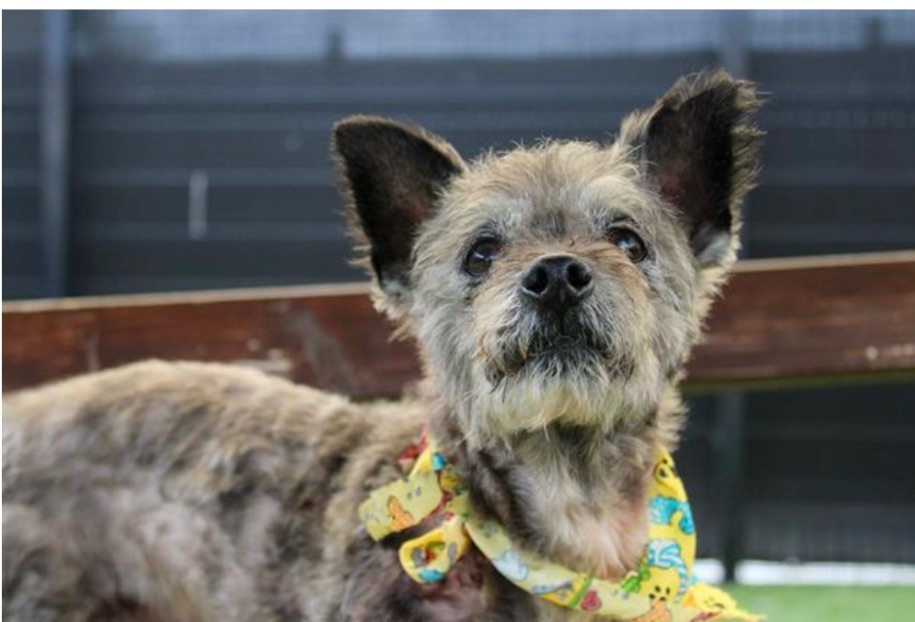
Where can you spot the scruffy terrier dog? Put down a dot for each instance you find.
(555, 292)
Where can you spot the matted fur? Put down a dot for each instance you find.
(194, 492)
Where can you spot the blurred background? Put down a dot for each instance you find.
(195, 147)
(157, 150)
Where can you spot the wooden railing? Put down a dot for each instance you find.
(780, 322)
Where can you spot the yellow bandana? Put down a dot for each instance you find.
(663, 589)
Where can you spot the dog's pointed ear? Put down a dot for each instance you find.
(698, 145)
(393, 174)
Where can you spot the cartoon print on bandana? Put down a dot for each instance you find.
(563, 592)
(663, 510)
(665, 554)
(709, 598)
(510, 565)
(658, 613)
(400, 518)
(633, 581)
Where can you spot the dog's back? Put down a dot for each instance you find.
(180, 491)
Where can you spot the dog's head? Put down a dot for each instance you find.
(564, 282)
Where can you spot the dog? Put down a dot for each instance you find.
(555, 292)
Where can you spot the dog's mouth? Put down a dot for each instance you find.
(562, 346)
(553, 355)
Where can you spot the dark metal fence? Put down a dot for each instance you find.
(192, 153)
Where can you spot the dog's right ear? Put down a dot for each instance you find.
(393, 174)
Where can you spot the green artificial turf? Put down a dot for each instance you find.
(828, 603)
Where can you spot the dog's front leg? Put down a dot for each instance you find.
(378, 590)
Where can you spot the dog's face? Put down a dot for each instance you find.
(561, 283)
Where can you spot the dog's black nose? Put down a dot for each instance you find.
(557, 283)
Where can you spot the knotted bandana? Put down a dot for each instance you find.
(662, 589)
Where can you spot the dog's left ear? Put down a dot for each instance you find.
(393, 174)
(698, 145)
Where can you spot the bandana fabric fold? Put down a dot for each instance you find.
(662, 589)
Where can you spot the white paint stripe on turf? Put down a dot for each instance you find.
(755, 572)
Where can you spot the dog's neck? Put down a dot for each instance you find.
(575, 496)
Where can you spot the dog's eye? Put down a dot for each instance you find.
(481, 256)
(627, 240)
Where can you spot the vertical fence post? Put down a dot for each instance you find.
(730, 445)
(55, 150)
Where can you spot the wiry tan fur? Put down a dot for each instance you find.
(193, 492)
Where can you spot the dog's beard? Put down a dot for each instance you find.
(536, 373)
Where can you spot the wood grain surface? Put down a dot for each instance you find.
(779, 322)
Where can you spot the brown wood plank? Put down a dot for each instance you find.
(810, 321)
(807, 320)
